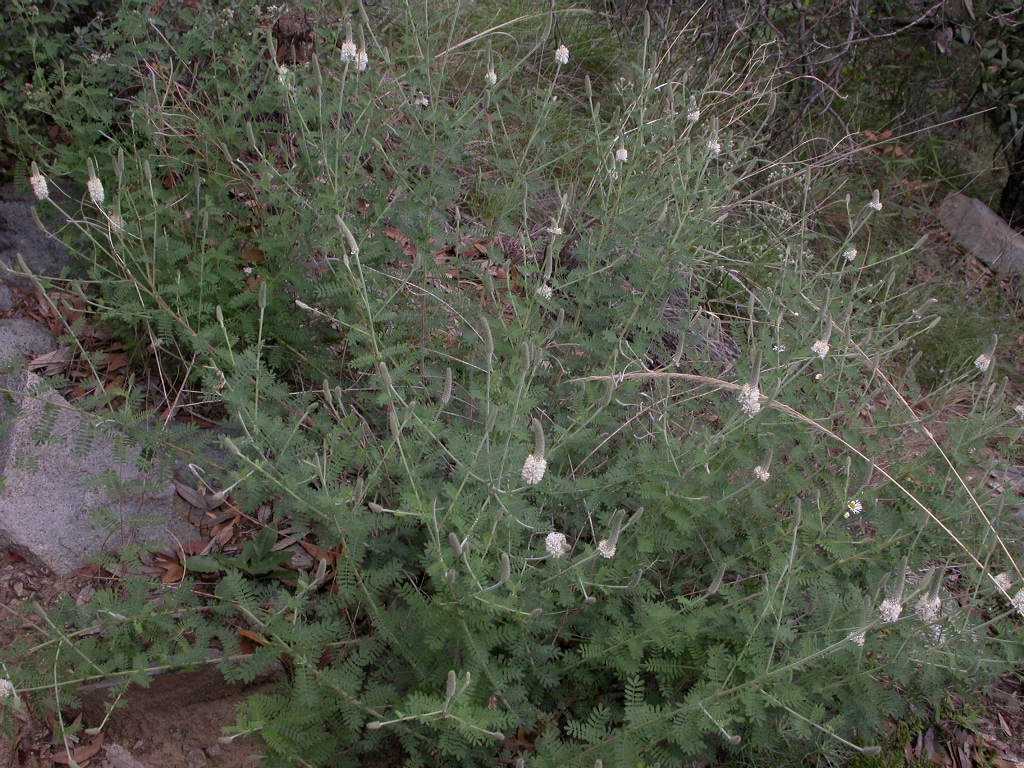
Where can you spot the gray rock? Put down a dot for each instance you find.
(983, 233)
(21, 340)
(19, 233)
(119, 757)
(57, 506)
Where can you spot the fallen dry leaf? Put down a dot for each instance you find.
(82, 753)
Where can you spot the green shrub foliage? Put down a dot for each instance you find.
(447, 315)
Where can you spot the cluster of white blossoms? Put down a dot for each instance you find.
(750, 399)
(876, 202)
(714, 146)
(1003, 582)
(116, 222)
(562, 54)
(982, 362)
(858, 638)
(362, 60)
(349, 50)
(38, 183)
(491, 77)
(6, 689)
(853, 507)
(556, 544)
(762, 474)
(820, 348)
(850, 254)
(545, 291)
(1019, 409)
(606, 549)
(621, 155)
(694, 114)
(534, 468)
(1017, 601)
(928, 608)
(95, 187)
(890, 610)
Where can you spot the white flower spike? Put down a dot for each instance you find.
(38, 182)
(362, 60)
(715, 147)
(890, 610)
(533, 469)
(982, 362)
(850, 254)
(556, 544)
(606, 549)
(545, 291)
(876, 201)
(491, 78)
(820, 348)
(95, 187)
(6, 689)
(750, 399)
(562, 54)
(762, 474)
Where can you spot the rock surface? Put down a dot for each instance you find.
(51, 490)
(984, 233)
(19, 233)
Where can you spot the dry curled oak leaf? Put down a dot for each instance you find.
(408, 246)
(82, 753)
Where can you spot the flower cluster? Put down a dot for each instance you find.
(95, 187)
(928, 608)
(534, 468)
(750, 399)
(562, 54)
(820, 348)
(38, 183)
(556, 544)
(890, 610)
(6, 689)
(762, 474)
(853, 507)
(606, 549)
(982, 362)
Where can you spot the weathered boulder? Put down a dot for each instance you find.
(983, 233)
(71, 488)
(20, 234)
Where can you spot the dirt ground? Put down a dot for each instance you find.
(174, 723)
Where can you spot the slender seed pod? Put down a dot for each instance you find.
(376, 508)
(456, 545)
(488, 341)
(261, 298)
(251, 135)
(716, 583)
(393, 423)
(382, 370)
(538, 438)
(451, 686)
(506, 569)
(446, 392)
